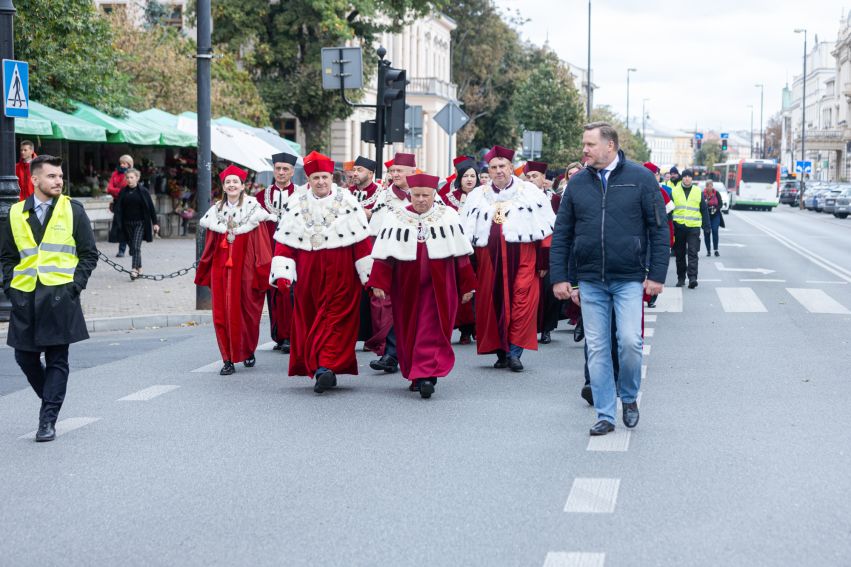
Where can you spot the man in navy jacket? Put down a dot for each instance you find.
(610, 245)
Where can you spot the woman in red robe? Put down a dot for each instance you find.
(422, 261)
(235, 264)
(323, 251)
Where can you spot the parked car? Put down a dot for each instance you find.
(843, 204)
(789, 193)
(810, 197)
(829, 193)
(722, 190)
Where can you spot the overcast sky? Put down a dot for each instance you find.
(697, 61)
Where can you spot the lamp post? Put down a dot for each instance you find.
(9, 189)
(761, 133)
(588, 78)
(628, 71)
(204, 56)
(803, 116)
(751, 107)
(644, 119)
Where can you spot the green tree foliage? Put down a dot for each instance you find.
(547, 100)
(633, 145)
(709, 154)
(69, 49)
(280, 44)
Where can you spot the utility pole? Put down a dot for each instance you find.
(204, 164)
(9, 189)
(761, 131)
(751, 107)
(588, 82)
(628, 71)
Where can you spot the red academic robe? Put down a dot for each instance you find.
(280, 302)
(325, 315)
(238, 276)
(25, 182)
(466, 314)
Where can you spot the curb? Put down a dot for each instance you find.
(152, 321)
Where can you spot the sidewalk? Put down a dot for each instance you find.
(112, 302)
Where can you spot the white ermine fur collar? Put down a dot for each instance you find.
(335, 221)
(385, 203)
(275, 202)
(244, 218)
(440, 228)
(528, 213)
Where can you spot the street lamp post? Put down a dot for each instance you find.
(204, 56)
(628, 71)
(761, 132)
(803, 116)
(9, 189)
(751, 107)
(644, 119)
(588, 78)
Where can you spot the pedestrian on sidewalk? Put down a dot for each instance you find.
(45, 268)
(22, 169)
(690, 215)
(134, 219)
(235, 264)
(610, 221)
(716, 217)
(117, 182)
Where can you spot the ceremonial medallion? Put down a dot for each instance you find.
(316, 239)
(499, 216)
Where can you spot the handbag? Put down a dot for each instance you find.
(187, 214)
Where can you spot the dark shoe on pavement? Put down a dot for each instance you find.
(227, 368)
(120, 255)
(692, 284)
(277, 346)
(716, 253)
(501, 360)
(579, 331)
(514, 364)
(285, 346)
(465, 339)
(681, 283)
(426, 388)
(545, 338)
(708, 253)
(250, 361)
(386, 363)
(630, 414)
(46, 431)
(587, 395)
(602, 427)
(652, 303)
(325, 381)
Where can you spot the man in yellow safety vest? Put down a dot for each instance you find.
(48, 252)
(690, 215)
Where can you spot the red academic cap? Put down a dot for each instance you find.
(407, 160)
(535, 166)
(651, 166)
(499, 151)
(314, 161)
(451, 178)
(422, 180)
(233, 170)
(388, 164)
(461, 159)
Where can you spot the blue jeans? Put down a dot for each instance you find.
(598, 299)
(714, 226)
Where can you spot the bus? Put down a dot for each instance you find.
(752, 183)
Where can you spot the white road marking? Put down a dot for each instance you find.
(643, 372)
(574, 559)
(820, 261)
(617, 440)
(762, 280)
(705, 280)
(212, 367)
(645, 350)
(740, 300)
(66, 426)
(720, 267)
(650, 318)
(731, 244)
(817, 282)
(649, 331)
(670, 301)
(593, 495)
(817, 301)
(267, 346)
(148, 393)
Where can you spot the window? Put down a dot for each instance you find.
(113, 7)
(287, 127)
(174, 17)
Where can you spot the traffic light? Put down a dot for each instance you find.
(723, 145)
(393, 99)
(699, 143)
(691, 142)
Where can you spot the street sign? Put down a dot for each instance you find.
(16, 88)
(451, 118)
(698, 135)
(342, 67)
(803, 167)
(414, 127)
(725, 136)
(533, 143)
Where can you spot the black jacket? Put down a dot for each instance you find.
(614, 235)
(48, 315)
(118, 232)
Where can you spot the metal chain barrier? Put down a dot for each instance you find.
(153, 277)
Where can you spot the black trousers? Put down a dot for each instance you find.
(390, 348)
(686, 243)
(49, 381)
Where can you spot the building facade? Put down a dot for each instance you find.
(175, 12)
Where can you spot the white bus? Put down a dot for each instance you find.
(752, 183)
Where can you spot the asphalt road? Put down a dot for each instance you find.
(742, 455)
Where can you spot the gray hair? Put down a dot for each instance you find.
(607, 131)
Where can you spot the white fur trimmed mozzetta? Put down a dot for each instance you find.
(311, 223)
(282, 268)
(526, 212)
(385, 204)
(440, 229)
(364, 268)
(245, 218)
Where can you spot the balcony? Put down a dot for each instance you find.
(432, 86)
(823, 139)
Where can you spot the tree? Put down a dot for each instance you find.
(773, 137)
(633, 145)
(547, 100)
(280, 42)
(709, 154)
(69, 48)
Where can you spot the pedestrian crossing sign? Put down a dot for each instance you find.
(16, 88)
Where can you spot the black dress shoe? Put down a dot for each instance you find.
(630, 414)
(120, 255)
(277, 346)
(514, 364)
(545, 338)
(46, 431)
(716, 253)
(681, 283)
(501, 363)
(579, 331)
(250, 361)
(708, 253)
(325, 381)
(227, 368)
(426, 388)
(602, 427)
(587, 394)
(692, 284)
(386, 363)
(285, 346)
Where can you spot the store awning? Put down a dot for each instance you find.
(169, 135)
(33, 126)
(118, 130)
(267, 134)
(64, 126)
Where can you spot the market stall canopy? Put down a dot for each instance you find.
(33, 126)
(267, 134)
(169, 135)
(233, 144)
(118, 130)
(64, 126)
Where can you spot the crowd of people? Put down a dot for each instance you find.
(499, 253)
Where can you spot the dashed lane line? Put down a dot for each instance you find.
(645, 350)
(66, 426)
(739, 300)
(593, 496)
(650, 318)
(574, 559)
(148, 393)
(649, 332)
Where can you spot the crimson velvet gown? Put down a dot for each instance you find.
(466, 313)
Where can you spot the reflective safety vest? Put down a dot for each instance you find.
(52, 262)
(687, 210)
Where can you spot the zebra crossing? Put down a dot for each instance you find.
(755, 299)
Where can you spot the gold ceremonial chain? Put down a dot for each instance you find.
(458, 204)
(498, 217)
(267, 200)
(318, 227)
